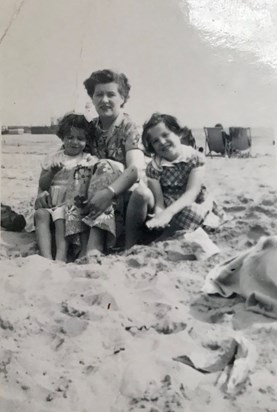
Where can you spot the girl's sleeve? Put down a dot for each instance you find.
(46, 162)
(152, 172)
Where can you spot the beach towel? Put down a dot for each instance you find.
(252, 274)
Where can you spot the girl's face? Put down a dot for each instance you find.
(107, 100)
(74, 141)
(165, 143)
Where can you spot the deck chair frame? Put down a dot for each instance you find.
(242, 142)
(209, 148)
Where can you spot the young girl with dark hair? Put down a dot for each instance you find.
(56, 170)
(176, 195)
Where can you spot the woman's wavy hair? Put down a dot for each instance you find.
(172, 124)
(108, 76)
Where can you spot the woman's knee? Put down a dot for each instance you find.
(42, 216)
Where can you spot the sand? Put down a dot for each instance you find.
(107, 336)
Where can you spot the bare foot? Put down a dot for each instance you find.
(91, 257)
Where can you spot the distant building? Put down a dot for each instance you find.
(42, 130)
(15, 129)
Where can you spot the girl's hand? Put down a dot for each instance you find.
(161, 220)
(56, 167)
(99, 202)
(43, 200)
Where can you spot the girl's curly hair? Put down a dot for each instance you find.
(72, 120)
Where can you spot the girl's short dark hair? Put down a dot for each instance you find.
(72, 120)
(172, 124)
(108, 76)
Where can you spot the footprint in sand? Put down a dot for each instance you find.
(268, 202)
(104, 300)
(256, 232)
(214, 309)
(235, 209)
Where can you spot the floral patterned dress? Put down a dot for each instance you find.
(83, 183)
(122, 136)
(110, 147)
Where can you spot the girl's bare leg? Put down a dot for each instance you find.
(84, 244)
(43, 233)
(141, 201)
(61, 242)
(96, 240)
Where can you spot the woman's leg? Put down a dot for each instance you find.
(96, 240)
(43, 233)
(61, 242)
(141, 201)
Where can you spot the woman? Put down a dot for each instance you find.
(114, 136)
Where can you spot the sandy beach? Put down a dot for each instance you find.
(112, 336)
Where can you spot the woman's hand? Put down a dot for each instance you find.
(99, 202)
(160, 220)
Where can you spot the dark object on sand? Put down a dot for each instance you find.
(11, 220)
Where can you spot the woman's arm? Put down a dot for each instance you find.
(134, 170)
(102, 199)
(195, 181)
(135, 157)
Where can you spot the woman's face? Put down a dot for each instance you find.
(165, 143)
(107, 100)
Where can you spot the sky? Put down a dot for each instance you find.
(204, 61)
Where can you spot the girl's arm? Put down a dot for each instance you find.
(155, 187)
(46, 176)
(193, 188)
(194, 184)
(45, 179)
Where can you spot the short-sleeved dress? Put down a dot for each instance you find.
(173, 178)
(59, 183)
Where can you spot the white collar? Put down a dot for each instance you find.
(185, 155)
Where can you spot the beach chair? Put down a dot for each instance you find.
(214, 142)
(241, 141)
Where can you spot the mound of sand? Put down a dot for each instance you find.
(133, 332)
